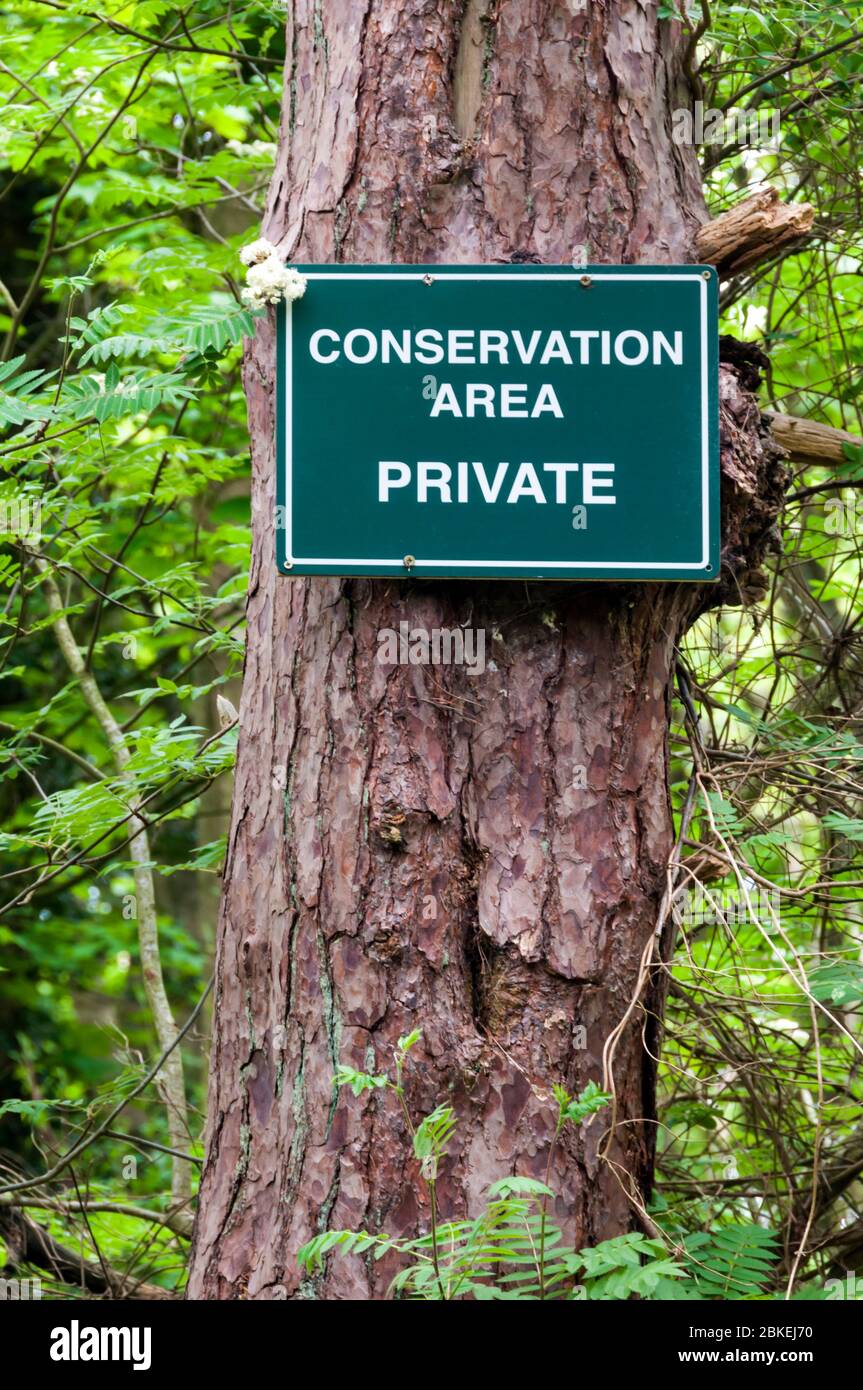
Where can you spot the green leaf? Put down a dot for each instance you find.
(358, 1081)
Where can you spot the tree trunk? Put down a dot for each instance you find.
(480, 857)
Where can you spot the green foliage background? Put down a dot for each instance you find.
(136, 142)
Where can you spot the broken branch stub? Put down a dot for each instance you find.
(810, 442)
(752, 231)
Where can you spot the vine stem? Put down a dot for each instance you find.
(430, 1182)
(544, 1206)
(173, 1086)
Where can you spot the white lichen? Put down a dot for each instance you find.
(257, 251)
(252, 149)
(268, 280)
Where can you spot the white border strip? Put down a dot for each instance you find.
(398, 563)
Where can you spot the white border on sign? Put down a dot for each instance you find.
(398, 563)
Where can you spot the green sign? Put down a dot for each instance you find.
(520, 421)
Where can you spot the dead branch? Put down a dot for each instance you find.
(752, 231)
(28, 1243)
(809, 442)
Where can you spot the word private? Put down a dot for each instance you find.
(539, 482)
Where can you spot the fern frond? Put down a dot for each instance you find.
(113, 396)
(17, 390)
(733, 1262)
(312, 1255)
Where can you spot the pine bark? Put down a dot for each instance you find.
(368, 798)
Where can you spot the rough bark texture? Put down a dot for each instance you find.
(365, 792)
